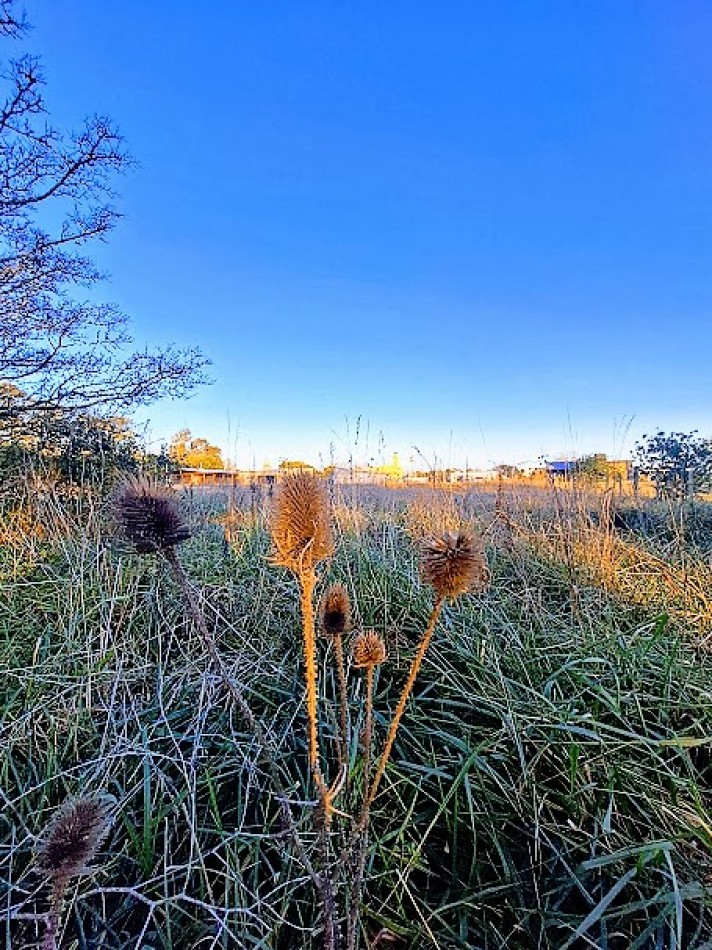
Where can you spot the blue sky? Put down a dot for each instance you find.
(483, 229)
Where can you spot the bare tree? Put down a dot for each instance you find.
(11, 23)
(56, 349)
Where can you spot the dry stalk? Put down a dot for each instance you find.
(334, 620)
(452, 564)
(268, 754)
(357, 883)
(306, 578)
(400, 709)
(343, 743)
(307, 583)
(301, 532)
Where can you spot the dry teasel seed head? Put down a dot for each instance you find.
(368, 650)
(301, 530)
(73, 836)
(453, 564)
(148, 516)
(335, 611)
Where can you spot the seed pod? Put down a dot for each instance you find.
(73, 836)
(335, 611)
(148, 516)
(368, 650)
(453, 564)
(300, 524)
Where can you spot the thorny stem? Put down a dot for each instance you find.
(348, 849)
(307, 582)
(328, 899)
(357, 883)
(59, 886)
(400, 708)
(343, 748)
(367, 739)
(254, 726)
(50, 935)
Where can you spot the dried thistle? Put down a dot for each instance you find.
(65, 848)
(335, 611)
(148, 516)
(453, 564)
(73, 836)
(301, 532)
(368, 650)
(300, 524)
(334, 619)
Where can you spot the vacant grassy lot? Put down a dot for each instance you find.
(550, 784)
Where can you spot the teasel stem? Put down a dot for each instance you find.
(307, 583)
(400, 708)
(348, 850)
(334, 618)
(357, 883)
(343, 746)
(367, 742)
(53, 916)
(266, 750)
(328, 898)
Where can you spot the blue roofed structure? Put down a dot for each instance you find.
(561, 468)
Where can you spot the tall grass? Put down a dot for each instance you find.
(549, 784)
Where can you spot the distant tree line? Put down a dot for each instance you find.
(73, 449)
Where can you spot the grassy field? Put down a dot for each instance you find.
(550, 783)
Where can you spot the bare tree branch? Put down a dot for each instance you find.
(12, 23)
(57, 351)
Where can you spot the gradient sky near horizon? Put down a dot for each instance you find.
(482, 229)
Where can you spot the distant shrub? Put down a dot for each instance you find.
(678, 463)
(76, 451)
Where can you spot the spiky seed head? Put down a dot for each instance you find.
(301, 530)
(73, 836)
(453, 564)
(148, 516)
(335, 611)
(368, 650)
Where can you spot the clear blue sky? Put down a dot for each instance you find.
(484, 228)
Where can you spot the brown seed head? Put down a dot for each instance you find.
(368, 650)
(148, 516)
(335, 612)
(300, 524)
(73, 836)
(453, 564)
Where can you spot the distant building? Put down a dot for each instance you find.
(562, 469)
(188, 475)
(394, 470)
(610, 468)
(479, 475)
(359, 475)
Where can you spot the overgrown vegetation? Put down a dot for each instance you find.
(549, 783)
